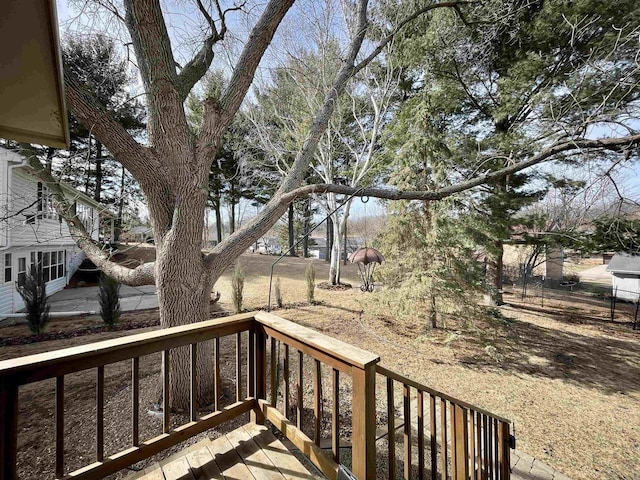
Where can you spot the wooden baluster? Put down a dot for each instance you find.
(238, 367)
(490, 446)
(135, 400)
(505, 451)
(59, 426)
(391, 429)
(217, 388)
(285, 376)
(251, 365)
(496, 448)
(434, 443)
(420, 400)
(317, 388)
(486, 448)
(443, 438)
(274, 373)
(165, 391)
(407, 431)
(299, 410)
(462, 443)
(8, 430)
(454, 439)
(260, 371)
(472, 444)
(100, 414)
(479, 446)
(193, 407)
(335, 417)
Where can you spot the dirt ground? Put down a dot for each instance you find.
(567, 376)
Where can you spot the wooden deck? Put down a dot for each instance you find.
(249, 452)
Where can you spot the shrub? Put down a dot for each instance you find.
(237, 287)
(109, 297)
(34, 295)
(310, 274)
(278, 292)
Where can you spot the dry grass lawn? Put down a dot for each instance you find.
(566, 375)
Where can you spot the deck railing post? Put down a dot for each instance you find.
(8, 430)
(363, 439)
(260, 374)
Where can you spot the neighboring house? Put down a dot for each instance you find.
(625, 270)
(32, 233)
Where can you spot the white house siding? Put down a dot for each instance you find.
(626, 287)
(21, 238)
(10, 300)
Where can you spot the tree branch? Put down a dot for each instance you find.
(619, 144)
(195, 69)
(259, 39)
(142, 275)
(87, 110)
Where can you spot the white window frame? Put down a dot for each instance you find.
(7, 268)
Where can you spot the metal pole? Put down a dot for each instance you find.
(306, 235)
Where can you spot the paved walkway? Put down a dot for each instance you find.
(85, 299)
(526, 467)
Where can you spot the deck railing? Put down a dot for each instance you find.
(477, 441)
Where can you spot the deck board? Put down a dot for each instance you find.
(282, 458)
(251, 452)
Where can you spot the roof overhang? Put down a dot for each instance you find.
(32, 106)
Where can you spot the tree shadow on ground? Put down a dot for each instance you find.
(603, 363)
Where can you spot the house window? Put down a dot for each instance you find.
(85, 214)
(45, 203)
(53, 265)
(7, 268)
(22, 270)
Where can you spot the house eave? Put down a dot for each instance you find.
(32, 100)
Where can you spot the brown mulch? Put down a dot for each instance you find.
(336, 288)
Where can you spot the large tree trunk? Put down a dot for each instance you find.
(184, 283)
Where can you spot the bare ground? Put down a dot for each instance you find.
(567, 376)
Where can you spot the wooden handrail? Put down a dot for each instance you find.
(419, 386)
(33, 368)
(342, 353)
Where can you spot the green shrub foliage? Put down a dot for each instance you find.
(34, 295)
(109, 297)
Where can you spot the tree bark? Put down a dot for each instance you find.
(98, 191)
(291, 231)
(120, 208)
(307, 227)
(495, 274)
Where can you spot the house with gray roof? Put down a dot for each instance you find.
(625, 272)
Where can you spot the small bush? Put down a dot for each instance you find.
(109, 297)
(34, 295)
(278, 292)
(572, 277)
(310, 274)
(237, 287)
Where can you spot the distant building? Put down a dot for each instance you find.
(625, 270)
